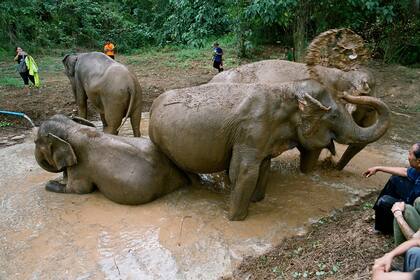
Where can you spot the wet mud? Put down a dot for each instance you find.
(184, 235)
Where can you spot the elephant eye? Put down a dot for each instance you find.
(333, 115)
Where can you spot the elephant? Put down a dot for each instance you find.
(126, 170)
(240, 127)
(355, 82)
(113, 90)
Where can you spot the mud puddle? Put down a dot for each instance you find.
(184, 235)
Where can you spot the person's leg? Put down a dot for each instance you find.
(25, 78)
(32, 79)
(416, 204)
(216, 65)
(396, 189)
(412, 217)
(412, 259)
(383, 215)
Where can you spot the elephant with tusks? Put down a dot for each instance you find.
(239, 127)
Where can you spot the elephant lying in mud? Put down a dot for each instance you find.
(113, 90)
(126, 170)
(355, 82)
(240, 127)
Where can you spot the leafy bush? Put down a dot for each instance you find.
(391, 28)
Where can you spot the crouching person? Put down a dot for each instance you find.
(126, 170)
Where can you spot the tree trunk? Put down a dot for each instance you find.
(299, 32)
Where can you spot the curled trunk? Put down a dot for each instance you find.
(355, 134)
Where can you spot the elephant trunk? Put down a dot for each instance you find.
(43, 162)
(363, 135)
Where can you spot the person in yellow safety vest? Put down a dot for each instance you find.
(27, 69)
(109, 49)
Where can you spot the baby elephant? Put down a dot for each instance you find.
(126, 170)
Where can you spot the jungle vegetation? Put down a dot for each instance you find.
(391, 28)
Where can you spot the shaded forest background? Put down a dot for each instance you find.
(391, 28)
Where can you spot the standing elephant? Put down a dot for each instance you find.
(355, 82)
(126, 170)
(109, 85)
(240, 127)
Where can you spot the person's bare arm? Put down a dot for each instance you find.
(398, 210)
(384, 263)
(405, 228)
(379, 274)
(399, 171)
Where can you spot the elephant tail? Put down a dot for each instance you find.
(133, 94)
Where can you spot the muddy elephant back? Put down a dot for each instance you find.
(187, 124)
(265, 71)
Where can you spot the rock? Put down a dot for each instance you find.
(18, 137)
(10, 143)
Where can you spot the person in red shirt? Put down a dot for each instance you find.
(109, 49)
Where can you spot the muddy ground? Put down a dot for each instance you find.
(337, 247)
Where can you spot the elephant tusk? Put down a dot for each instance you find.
(313, 100)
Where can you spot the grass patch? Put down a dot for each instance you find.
(416, 108)
(11, 82)
(5, 124)
(49, 64)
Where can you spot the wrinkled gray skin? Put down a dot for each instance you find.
(240, 127)
(110, 86)
(355, 82)
(130, 171)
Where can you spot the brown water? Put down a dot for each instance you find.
(184, 235)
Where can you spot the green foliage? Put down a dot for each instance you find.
(5, 124)
(391, 28)
(11, 81)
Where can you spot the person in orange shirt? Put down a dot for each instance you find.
(109, 49)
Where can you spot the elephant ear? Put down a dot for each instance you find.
(62, 152)
(311, 112)
(82, 121)
(69, 62)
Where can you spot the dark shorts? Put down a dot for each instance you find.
(112, 56)
(217, 64)
(26, 77)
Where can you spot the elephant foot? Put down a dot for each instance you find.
(256, 197)
(54, 186)
(238, 216)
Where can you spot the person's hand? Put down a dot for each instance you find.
(416, 234)
(383, 263)
(398, 207)
(371, 171)
(378, 273)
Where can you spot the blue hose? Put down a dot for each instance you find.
(19, 115)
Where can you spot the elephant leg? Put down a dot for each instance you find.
(104, 124)
(71, 185)
(243, 173)
(78, 183)
(135, 119)
(111, 130)
(82, 107)
(81, 100)
(351, 151)
(259, 192)
(308, 159)
(113, 117)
